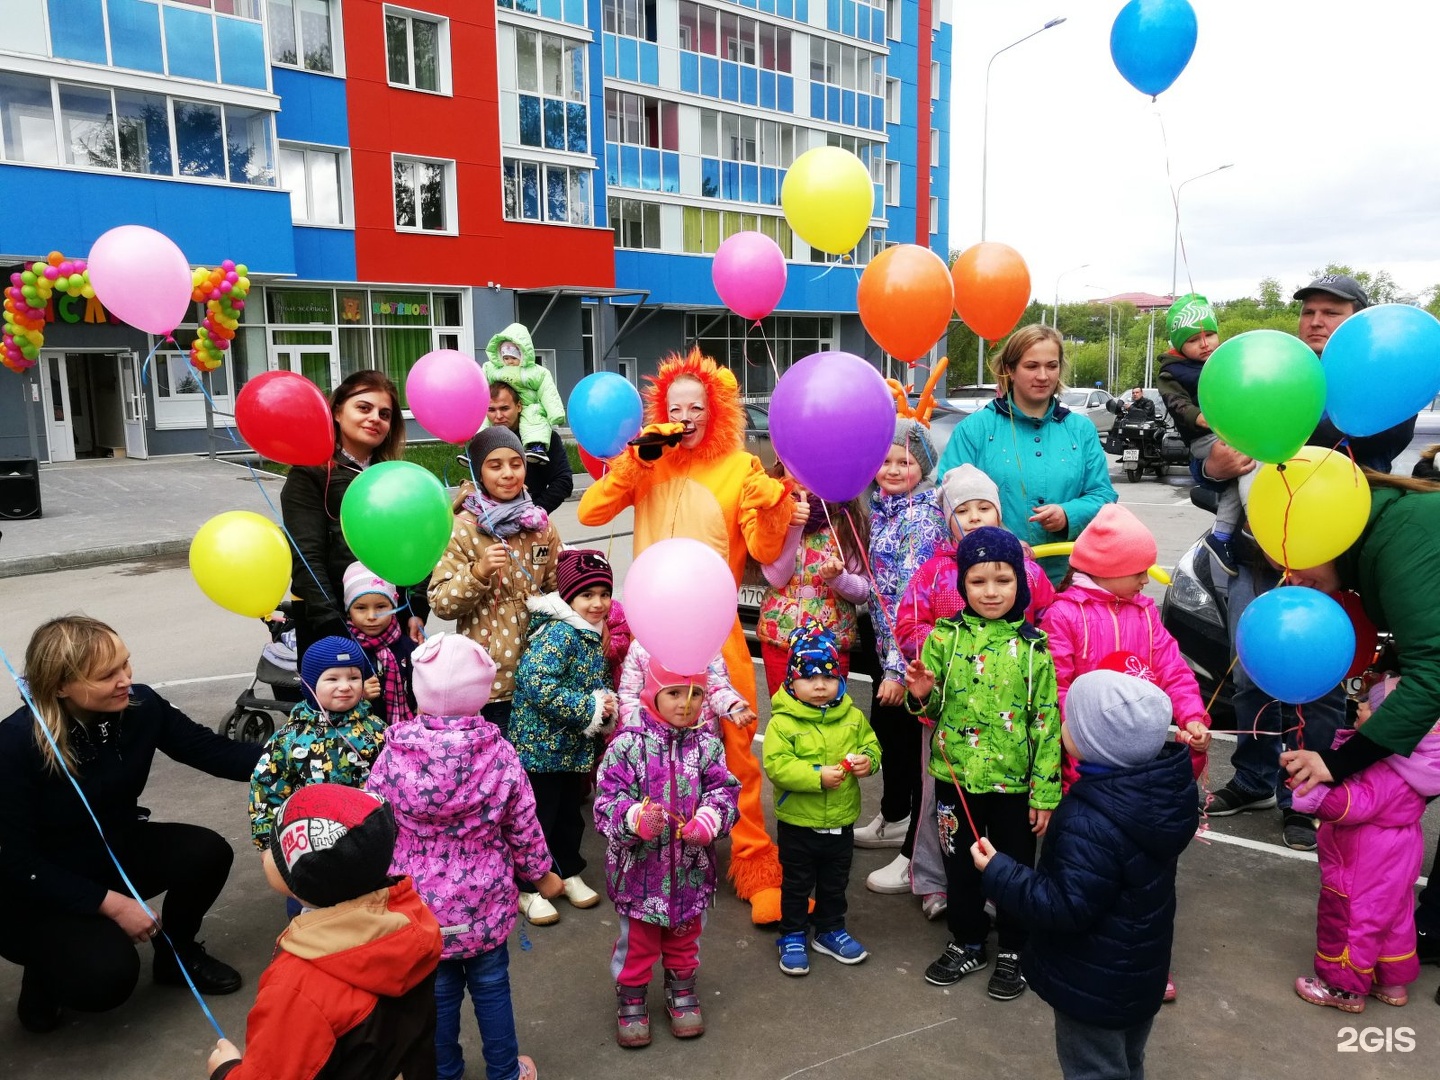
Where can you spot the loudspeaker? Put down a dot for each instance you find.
(19, 488)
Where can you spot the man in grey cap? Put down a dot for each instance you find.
(1259, 782)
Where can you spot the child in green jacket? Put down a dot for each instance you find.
(512, 361)
(817, 746)
(995, 753)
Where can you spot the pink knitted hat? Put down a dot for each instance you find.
(658, 677)
(1115, 544)
(452, 676)
(358, 581)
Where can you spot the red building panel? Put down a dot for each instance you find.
(465, 127)
(922, 125)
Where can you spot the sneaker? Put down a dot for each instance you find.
(36, 1012)
(1427, 946)
(683, 1005)
(579, 894)
(1320, 993)
(1229, 800)
(893, 877)
(882, 833)
(1390, 995)
(794, 956)
(1223, 552)
(209, 975)
(527, 1069)
(1006, 982)
(841, 946)
(1169, 994)
(537, 453)
(955, 963)
(1298, 831)
(934, 905)
(537, 910)
(632, 1018)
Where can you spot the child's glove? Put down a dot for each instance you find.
(649, 820)
(700, 830)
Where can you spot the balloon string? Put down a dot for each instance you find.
(768, 351)
(870, 576)
(1174, 194)
(44, 730)
(145, 367)
(964, 804)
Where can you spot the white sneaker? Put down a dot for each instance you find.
(893, 878)
(537, 910)
(881, 833)
(934, 905)
(579, 894)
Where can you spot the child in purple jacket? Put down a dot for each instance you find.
(467, 826)
(1371, 849)
(664, 797)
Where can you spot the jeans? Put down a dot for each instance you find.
(819, 861)
(1257, 757)
(1087, 1052)
(488, 978)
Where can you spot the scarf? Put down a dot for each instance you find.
(387, 666)
(502, 519)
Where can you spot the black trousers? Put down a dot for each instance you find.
(1005, 819)
(811, 860)
(1427, 912)
(899, 736)
(559, 802)
(87, 962)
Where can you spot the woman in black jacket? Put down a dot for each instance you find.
(66, 915)
(368, 430)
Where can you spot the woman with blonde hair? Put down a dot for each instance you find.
(66, 916)
(1046, 460)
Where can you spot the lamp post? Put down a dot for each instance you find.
(985, 160)
(1175, 252)
(1055, 311)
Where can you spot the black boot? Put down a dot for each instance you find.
(37, 1013)
(210, 976)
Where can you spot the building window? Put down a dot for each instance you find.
(316, 179)
(892, 183)
(630, 18)
(892, 100)
(892, 18)
(537, 191)
(417, 50)
(636, 223)
(935, 79)
(934, 146)
(734, 37)
(302, 34)
(550, 75)
(705, 229)
(641, 121)
(934, 215)
(424, 195)
(733, 341)
(837, 64)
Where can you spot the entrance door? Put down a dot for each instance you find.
(132, 400)
(55, 390)
(315, 362)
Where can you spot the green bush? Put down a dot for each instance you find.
(439, 459)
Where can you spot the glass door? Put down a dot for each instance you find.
(317, 362)
(55, 389)
(132, 403)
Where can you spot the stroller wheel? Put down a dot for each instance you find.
(228, 723)
(255, 726)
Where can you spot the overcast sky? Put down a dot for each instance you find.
(1329, 111)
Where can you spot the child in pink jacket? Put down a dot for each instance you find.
(1371, 850)
(467, 826)
(1101, 610)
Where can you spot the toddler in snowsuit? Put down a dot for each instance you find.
(512, 361)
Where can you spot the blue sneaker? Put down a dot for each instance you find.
(841, 946)
(794, 956)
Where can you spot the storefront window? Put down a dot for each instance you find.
(291, 307)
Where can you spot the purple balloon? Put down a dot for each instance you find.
(832, 419)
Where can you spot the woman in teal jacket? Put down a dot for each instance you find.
(1047, 461)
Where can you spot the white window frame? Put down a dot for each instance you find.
(934, 214)
(935, 80)
(894, 97)
(893, 8)
(347, 199)
(892, 183)
(452, 217)
(177, 409)
(337, 41)
(442, 48)
(934, 146)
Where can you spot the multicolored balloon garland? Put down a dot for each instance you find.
(223, 291)
(27, 298)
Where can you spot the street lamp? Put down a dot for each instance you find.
(985, 160)
(1055, 311)
(1175, 253)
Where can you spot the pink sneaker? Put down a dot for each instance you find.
(1169, 988)
(527, 1068)
(1320, 993)
(1390, 995)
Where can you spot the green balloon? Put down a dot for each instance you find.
(396, 519)
(1263, 393)
(28, 277)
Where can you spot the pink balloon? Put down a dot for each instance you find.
(749, 274)
(141, 277)
(680, 601)
(448, 394)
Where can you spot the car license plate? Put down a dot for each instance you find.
(1130, 455)
(751, 596)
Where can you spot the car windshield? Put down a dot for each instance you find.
(1075, 399)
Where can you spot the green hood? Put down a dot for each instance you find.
(798, 740)
(517, 333)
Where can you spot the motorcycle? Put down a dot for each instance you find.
(1144, 442)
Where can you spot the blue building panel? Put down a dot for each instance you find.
(670, 166)
(832, 103)
(190, 43)
(313, 107)
(612, 164)
(686, 279)
(77, 30)
(709, 77)
(787, 93)
(847, 108)
(767, 6)
(553, 9)
(729, 80)
(749, 85)
(242, 52)
(767, 89)
(575, 12)
(649, 63)
(325, 254)
(135, 36)
(689, 72)
(817, 101)
(650, 169)
(628, 54)
(862, 110)
(611, 64)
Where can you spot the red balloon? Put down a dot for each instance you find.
(1366, 637)
(992, 288)
(593, 465)
(285, 417)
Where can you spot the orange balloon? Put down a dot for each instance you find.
(992, 288)
(905, 299)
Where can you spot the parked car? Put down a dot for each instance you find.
(1093, 405)
(757, 434)
(967, 399)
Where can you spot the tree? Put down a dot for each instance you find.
(1380, 287)
(1271, 296)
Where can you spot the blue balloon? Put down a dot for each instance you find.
(604, 412)
(1296, 643)
(1382, 366)
(1151, 42)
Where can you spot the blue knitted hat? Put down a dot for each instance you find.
(813, 652)
(330, 652)
(987, 544)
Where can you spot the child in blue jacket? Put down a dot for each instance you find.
(1101, 904)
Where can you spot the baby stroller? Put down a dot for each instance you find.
(253, 717)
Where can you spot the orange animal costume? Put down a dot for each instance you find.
(720, 495)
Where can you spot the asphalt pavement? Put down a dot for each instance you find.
(1246, 913)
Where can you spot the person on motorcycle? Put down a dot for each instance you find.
(1140, 406)
(1195, 334)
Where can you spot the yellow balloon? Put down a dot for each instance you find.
(1310, 509)
(828, 198)
(241, 561)
(1064, 547)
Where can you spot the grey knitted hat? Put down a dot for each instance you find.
(1116, 719)
(912, 435)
